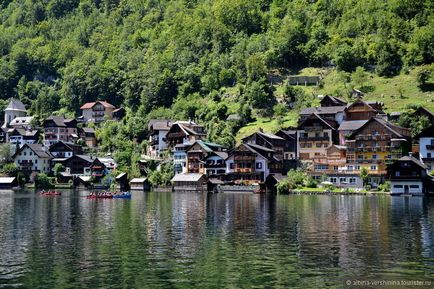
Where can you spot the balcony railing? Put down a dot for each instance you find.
(373, 137)
(314, 138)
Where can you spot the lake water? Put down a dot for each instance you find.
(189, 240)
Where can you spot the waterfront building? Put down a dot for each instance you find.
(409, 176)
(32, 159)
(189, 182)
(289, 143)
(180, 158)
(140, 184)
(64, 150)
(79, 165)
(375, 144)
(251, 163)
(197, 154)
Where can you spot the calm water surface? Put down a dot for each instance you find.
(166, 240)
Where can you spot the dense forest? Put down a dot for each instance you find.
(195, 59)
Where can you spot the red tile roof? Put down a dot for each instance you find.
(91, 104)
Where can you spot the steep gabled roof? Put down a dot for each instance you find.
(331, 124)
(160, 124)
(269, 135)
(413, 160)
(59, 121)
(369, 104)
(351, 124)
(38, 149)
(336, 100)
(68, 145)
(16, 105)
(389, 126)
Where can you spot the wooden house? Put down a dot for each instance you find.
(140, 184)
(189, 182)
(329, 100)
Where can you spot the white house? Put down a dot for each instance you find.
(22, 136)
(158, 129)
(15, 109)
(33, 159)
(426, 147)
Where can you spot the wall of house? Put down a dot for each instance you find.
(39, 164)
(307, 153)
(414, 187)
(423, 150)
(11, 114)
(87, 114)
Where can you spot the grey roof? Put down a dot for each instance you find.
(59, 120)
(39, 150)
(352, 124)
(120, 175)
(160, 124)
(25, 132)
(187, 177)
(87, 158)
(21, 120)
(138, 180)
(88, 130)
(15, 104)
(233, 116)
(255, 146)
(414, 160)
(7, 180)
(323, 110)
(269, 135)
(223, 155)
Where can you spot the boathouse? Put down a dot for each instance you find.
(7, 183)
(140, 184)
(190, 182)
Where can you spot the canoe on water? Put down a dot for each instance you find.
(123, 196)
(50, 193)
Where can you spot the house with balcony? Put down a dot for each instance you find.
(199, 152)
(158, 129)
(58, 128)
(21, 136)
(426, 147)
(79, 165)
(374, 145)
(32, 159)
(180, 158)
(347, 127)
(64, 150)
(289, 143)
(314, 136)
(333, 166)
(267, 140)
(97, 111)
(329, 100)
(364, 110)
(250, 163)
(182, 132)
(409, 176)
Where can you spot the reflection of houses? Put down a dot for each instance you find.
(97, 111)
(409, 176)
(157, 136)
(374, 144)
(22, 136)
(426, 147)
(14, 109)
(32, 158)
(201, 150)
(315, 135)
(252, 163)
(57, 128)
(182, 132)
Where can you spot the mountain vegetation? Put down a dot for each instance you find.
(201, 59)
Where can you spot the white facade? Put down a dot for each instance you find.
(28, 160)
(261, 165)
(426, 151)
(11, 114)
(20, 140)
(406, 187)
(160, 146)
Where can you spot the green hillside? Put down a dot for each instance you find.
(203, 60)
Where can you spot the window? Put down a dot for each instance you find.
(350, 168)
(258, 165)
(326, 134)
(374, 132)
(333, 180)
(357, 168)
(414, 186)
(343, 180)
(374, 157)
(317, 154)
(25, 153)
(309, 145)
(397, 186)
(335, 168)
(231, 166)
(428, 155)
(373, 168)
(318, 145)
(397, 174)
(352, 180)
(36, 161)
(360, 157)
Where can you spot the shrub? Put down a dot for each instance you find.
(43, 181)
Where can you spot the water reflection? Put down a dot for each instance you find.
(161, 240)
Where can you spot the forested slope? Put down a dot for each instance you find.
(197, 59)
